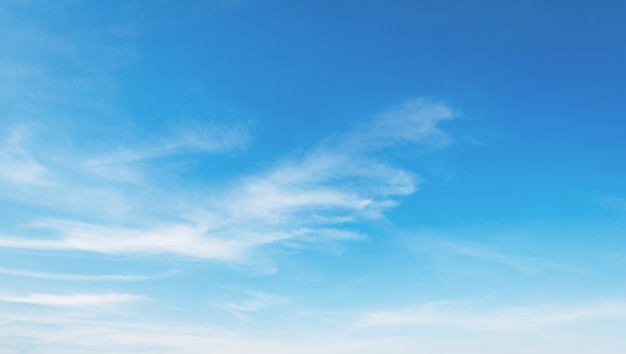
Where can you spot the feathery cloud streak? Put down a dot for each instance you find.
(467, 316)
(309, 198)
(72, 300)
(499, 329)
(188, 138)
(17, 166)
(82, 277)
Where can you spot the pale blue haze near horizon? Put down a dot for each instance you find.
(247, 176)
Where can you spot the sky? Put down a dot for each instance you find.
(299, 176)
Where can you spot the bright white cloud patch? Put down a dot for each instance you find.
(182, 240)
(83, 277)
(71, 300)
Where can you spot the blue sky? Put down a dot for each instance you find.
(312, 176)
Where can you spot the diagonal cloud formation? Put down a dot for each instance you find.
(339, 182)
(191, 137)
(310, 198)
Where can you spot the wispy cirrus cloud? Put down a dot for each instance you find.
(308, 198)
(503, 247)
(256, 302)
(471, 316)
(83, 277)
(180, 239)
(64, 330)
(71, 300)
(526, 265)
(99, 186)
(17, 166)
(413, 121)
(186, 138)
(338, 183)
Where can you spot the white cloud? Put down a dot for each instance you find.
(188, 137)
(67, 332)
(183, 240)
(71, 300)
(255, 303)
(469, 316)
(341, 180)
(309, 198)
(414, 121)
(82, 277)
(511, 247)
(16, 164)
(471, 249)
